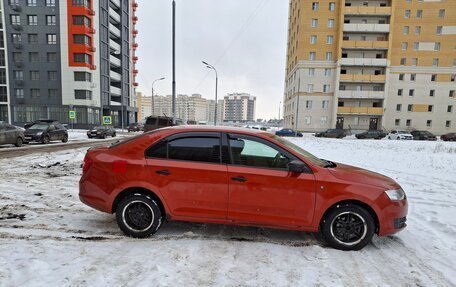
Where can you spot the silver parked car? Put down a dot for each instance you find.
(10, 134)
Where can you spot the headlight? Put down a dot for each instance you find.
(39, 134)
(98, 132)
(395, 194)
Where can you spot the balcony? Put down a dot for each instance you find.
(375, 45)
(362, 78)
(114, 61)
(372, 95)
(362, 10)
(374, 28)
(363, 62)
(114, 45)
(114, 30)
(116, 3)
(135, 59)
(114, 15)
(360, 110)
(115, 90)
(115, 76)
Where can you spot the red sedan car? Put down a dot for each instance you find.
(242, 177)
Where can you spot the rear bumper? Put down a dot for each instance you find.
(394, 217)
(97, 200)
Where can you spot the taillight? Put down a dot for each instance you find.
(86, 165)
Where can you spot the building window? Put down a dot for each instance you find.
(407, 14)
(314, 23)
(439, 30)
(313, 39)
(308, 120)
(430, 108)
(33, 38)
(419, 13)
(451, 94)
(52, 75)
(442, 13)
(405, 30)
(329, 39)
(332, 6)
(82, 58)
(52, 39)
(85, 3)
(82, 95)
(314, 6)
(404, 46)
(82, 77)
(408, 123)
(31, 3)
(82, 39)
(433, 77)
(428, 123)
(327, 72)
(17, 38)
(329, 56)
(431, 93)
(398, 107)
(15, 19)
(324, 105)
(409, 108)
(435, 62)
(411, 92)
(323, 119)
(18, 75)
(330, 23)
(308, 105)
(34, 57)
(19, 93)
(32, 20)
(399, 92)
(312, 56)
(81, 21)
(416, 46)
(417, 30)
(17, 57)
(35, 93)
(397, 122)
(437, 46)
(13, 2)
(311, 72)
(34, 75)
(412, 77)
(326, 88)
(51, 57)
(401, 77)
(52, 93)
(403, 61)
(50, 3)
(310, 88)
(448, 124)
(51, 20)
(414, 61)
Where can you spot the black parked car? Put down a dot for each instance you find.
(331, 133)
(101, 132)
(371, 134)
(27, 125)
(288, 133)
(449, 137)
(135, 127)
(11, 135)
(156, 122)
(45, 132)
(423, 136)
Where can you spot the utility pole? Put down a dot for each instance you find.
(174, 62)
(297, 106)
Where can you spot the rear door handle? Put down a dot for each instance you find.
(239, 178)
(163, 172)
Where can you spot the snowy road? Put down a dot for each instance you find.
(49, 238)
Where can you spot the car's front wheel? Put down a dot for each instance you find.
(348, 227)
(46, 140)
(65, 139)
(19, 142)
(139, 216)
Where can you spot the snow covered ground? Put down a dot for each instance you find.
(49, 238)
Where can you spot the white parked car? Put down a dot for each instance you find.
(399, 135)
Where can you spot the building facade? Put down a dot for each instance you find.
(69, 55)
(239, 107)
(376, 64)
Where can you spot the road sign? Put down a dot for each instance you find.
(107, 120)
(72, 115)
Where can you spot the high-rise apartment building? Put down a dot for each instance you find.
(239, 107)
(376, 64)
(68, 55)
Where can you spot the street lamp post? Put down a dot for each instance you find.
(216, 87)
(174, 63)
(152, 99)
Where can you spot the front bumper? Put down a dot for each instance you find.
(394, 217)
(33, 138)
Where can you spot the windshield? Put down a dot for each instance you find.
(315, 160)
(40, 127)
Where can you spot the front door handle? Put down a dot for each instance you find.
(163, 172)
(239, 178)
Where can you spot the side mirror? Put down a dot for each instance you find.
(296, 166)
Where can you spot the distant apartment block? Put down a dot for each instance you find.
(69, 54)
(376, 64)
(239, 107)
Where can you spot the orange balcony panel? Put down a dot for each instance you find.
(360, 110)
(365, 44)
(135, 45)
(135, 18)
(135, 58)
(135, 84)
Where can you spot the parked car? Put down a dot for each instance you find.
(399, 135)
(423, 135)
(156, 122)
(10, 134)
(101, 132)
(448, 137)
(45, 132)
(331, 133)
(288, 133)
(136, 127)
(371, 134)
(27, 125)
(180, 173)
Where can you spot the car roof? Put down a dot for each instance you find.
(196, 128)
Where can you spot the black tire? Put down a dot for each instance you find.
(114, 135)
(139, 216)
(65, 138)
(19, 142)
(46, 140)
(348, 227)
(103, 136)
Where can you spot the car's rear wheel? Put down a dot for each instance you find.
(138, 216)
(103, 136)
(19, 142)
(348, 227)
(65, 139)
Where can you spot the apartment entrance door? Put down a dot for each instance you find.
(373, 124)
(340, 123)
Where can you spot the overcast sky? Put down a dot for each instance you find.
(244, 39)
